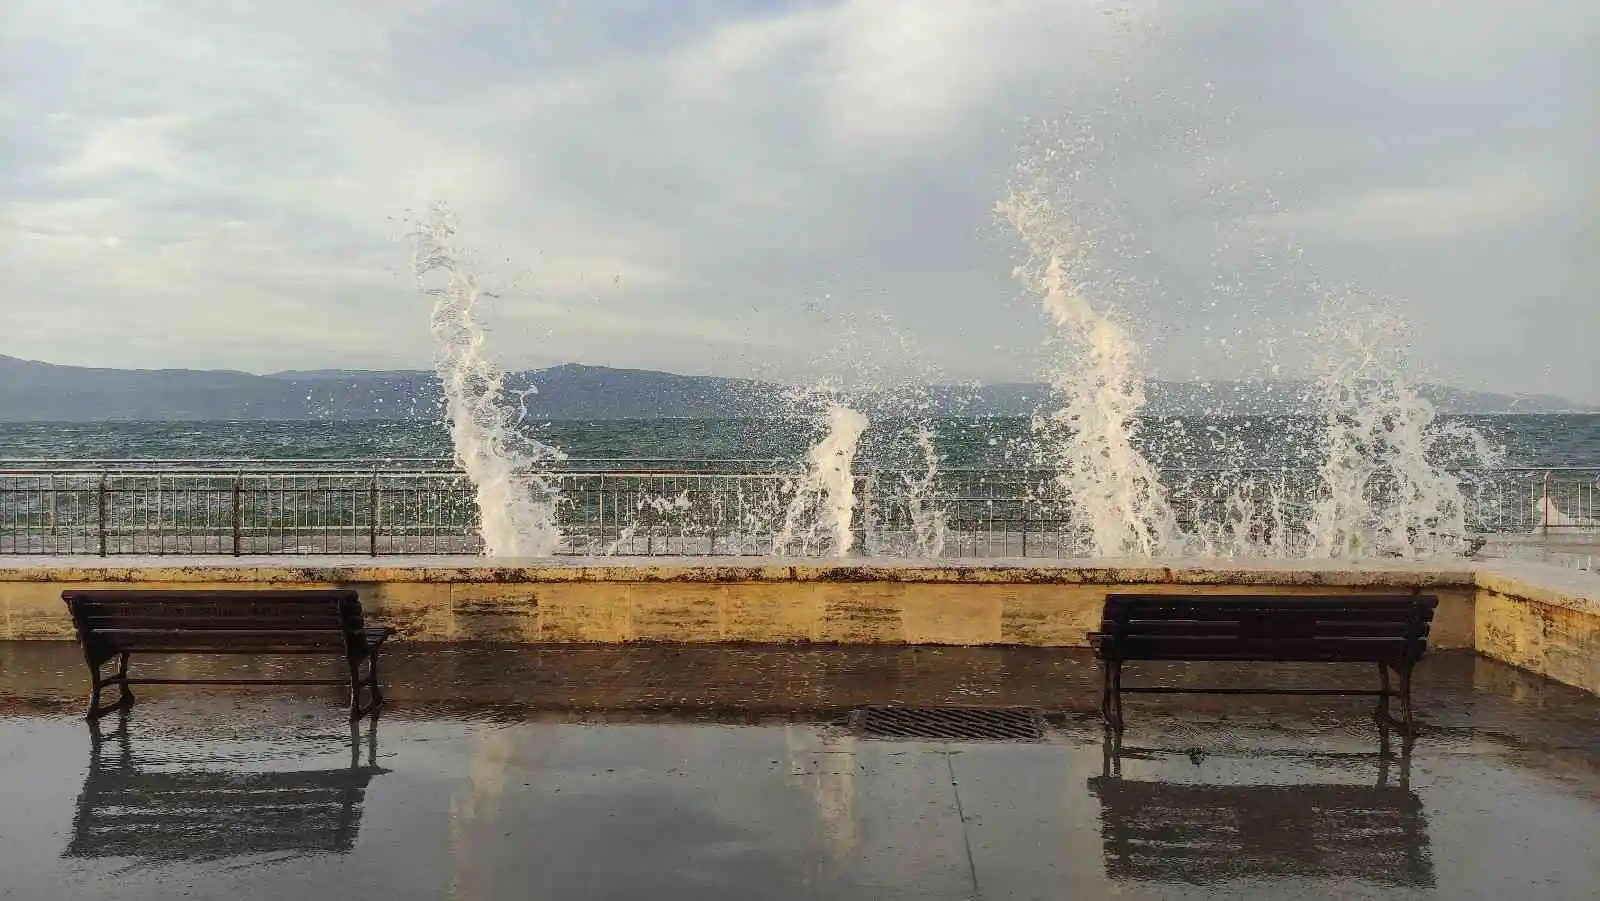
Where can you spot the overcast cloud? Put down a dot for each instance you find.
(710, 189)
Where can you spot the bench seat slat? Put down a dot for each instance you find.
(1350, 602)
(1263, 628)
(1219, 612)
(256, 650)
(1318, 656)
(176, 625)
(280, 634)
(145, 595)
(1287, 649)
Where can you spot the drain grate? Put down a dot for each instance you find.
(949, 723)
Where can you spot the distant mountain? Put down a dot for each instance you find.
(1233, 398)
(45, 392)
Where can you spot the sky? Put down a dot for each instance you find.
(780, 189)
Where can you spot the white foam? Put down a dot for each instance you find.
(1104, 484)
(509, 469)
(821, 512)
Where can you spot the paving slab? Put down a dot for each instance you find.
(732, 772)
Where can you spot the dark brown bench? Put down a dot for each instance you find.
(1390, 631)
(114, 625)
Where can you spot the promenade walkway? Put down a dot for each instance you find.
(711, 772)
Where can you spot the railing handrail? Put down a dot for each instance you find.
(367, 463)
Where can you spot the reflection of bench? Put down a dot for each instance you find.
(1391, 632)
(1206, 833)
(116, 624)
(193, 814)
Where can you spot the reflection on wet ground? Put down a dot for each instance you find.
(733, 772)
(1187, 832)
(170, 809)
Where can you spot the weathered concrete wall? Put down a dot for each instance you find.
(1542, 619)
(996, 602)
(1539, 618)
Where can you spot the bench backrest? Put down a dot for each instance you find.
(148, 620)
(1265, 627)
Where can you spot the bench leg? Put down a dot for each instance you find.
(1111, 693)
(97, 684)
(1105, 690)
(1111, 749)
(122, 676)
(1405, 702)
(376, 686)
(355, 689)
(1406, 721)
(1383, 700)
(374, 692)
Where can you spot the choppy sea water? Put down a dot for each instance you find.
(1528, 440)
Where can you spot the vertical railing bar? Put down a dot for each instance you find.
(238, 512)
(372, 515)
(104, 477)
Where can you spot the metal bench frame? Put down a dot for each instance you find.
(1389, 631)
(115, 624)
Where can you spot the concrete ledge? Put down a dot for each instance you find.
(1541, 618)
(1014, 602)
(1027, 571)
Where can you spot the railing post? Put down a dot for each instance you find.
(100, 520)
(161, 544)
(1545, 494)
(238, 512)
(372, 514)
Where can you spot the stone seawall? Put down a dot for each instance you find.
(1531, 616)
(1541, 618)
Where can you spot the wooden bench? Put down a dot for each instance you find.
(113, 625)
(1390, 631)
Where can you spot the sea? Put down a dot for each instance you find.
(1525, 440)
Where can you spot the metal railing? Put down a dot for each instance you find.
(651, 507)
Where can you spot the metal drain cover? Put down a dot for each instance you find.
(949, 723)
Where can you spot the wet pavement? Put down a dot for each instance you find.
(708, 772)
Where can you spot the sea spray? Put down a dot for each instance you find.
(509, 469)
(1387, 488)
(918, 491)
(820, 517)
(872, 369)
(1107, 488)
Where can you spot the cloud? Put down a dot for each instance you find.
(182, 187)
(1491, 202)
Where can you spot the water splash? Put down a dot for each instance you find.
(510, 471)
(918, 492)
(821, 513)
(1108, 489)
(908, 515)
(1387, 490)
